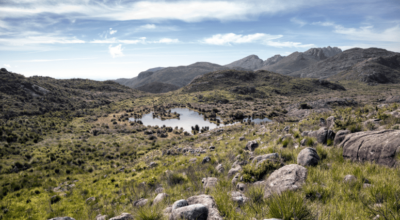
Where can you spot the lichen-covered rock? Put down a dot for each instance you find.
(220, 168)
(251, 145)
(209, 182)
(380, 147)
(340, 135)
(330, 122)
(159, 190)
(239, 197)
(349, 178)
(234, 170)
(140, 202)
(190, 212)
(159, 198)
(289, 177)
(308, 157)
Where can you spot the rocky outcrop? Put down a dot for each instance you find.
(220, 168)
(308, 157)
(234, 170)
(340, 135)
(289, 177)
(239, 197)
(140, 202)
(179, 203)
(380, 147)
(322, 135)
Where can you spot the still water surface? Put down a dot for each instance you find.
(187, 119)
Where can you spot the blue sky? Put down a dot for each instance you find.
(118, 39)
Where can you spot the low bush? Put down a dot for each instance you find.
(287, 206)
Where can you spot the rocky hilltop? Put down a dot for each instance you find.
(340, 62)
(300, 60)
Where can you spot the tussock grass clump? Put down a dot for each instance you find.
(288, 205)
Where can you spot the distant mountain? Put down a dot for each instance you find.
(157, 87)
(342, 62)
(273, 60)
(298, 61)
(251, 62)
(373, 70)
(177, 76)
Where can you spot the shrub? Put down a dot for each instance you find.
(309, 142)
(258, 172)
(288, 205)
(55, 199)
(354, 128)
(175, 178)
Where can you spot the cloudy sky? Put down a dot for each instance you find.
(101, 39)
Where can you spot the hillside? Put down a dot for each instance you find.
(157, 87)
(178, 76)
(246, 82)
(373, 70)
(340, 62)
(298, 60)
(37, 95)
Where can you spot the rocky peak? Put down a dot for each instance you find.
(273, 60)
(251, 62)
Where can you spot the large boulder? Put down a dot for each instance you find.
(190, 212)
(340, 135)
(289, 177)
(209, 182)
(209, 202)
(239, 197)
(322, 135)
(123, 216)
(308, 157)
(251, 145)
(373, 146)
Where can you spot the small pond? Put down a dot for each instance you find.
(187, 119)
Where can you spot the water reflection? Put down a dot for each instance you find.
(187, 119)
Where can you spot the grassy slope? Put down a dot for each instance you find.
(67, 144)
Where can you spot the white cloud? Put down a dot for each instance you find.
(7, 65)
(166, 41)
(287, 44)
(365, 33)
(231, 38)
(141, 40)
(148, 26)
(40, 39)
(116, 51)
(112, 31)
(301, 23)
(190, 11)
(105, 41)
